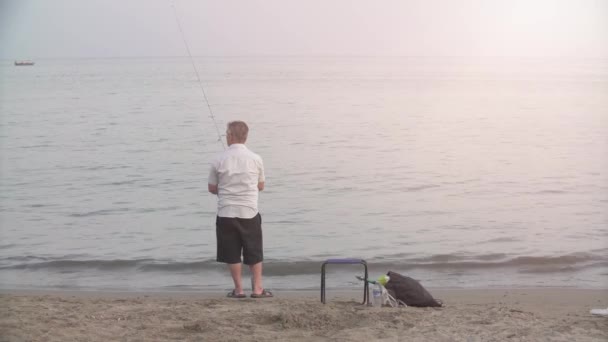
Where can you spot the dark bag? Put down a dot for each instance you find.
(409, 291)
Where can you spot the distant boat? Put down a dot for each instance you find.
(21, 63)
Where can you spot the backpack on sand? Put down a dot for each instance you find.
(410, 291)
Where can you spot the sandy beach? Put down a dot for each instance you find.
(469, 315)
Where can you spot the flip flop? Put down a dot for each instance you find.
(233, 294)
(265, 294)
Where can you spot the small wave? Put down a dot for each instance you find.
(547, 192)
(116, 264)
(99, 212)
(125, 182)
(105, 167)
(159, 209)
(503, 259)
(37, 205)
(492, 256)
(548, 269)
(283, 222)
(194, 266)
(452, 263)
(458, 182)
(24, 258)
(426, 213)
(503, 239)
(416, 188)
(34, 146)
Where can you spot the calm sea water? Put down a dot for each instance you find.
(457, 172)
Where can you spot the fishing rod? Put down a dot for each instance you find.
(198, 77)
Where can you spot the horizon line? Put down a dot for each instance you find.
(300, 55)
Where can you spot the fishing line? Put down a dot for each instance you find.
(198, 77)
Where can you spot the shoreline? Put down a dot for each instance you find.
(560, 314)
(291, 292)
(160, 292)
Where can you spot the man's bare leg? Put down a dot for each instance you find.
(235, 272)
(256, 273)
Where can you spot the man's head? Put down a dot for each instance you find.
(236, 132)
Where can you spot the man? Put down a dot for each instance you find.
(236, 177)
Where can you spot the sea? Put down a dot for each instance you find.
(458, 172)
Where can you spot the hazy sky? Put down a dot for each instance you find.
(113, 28)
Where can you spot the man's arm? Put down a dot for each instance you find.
(261, 186)
(213, 188)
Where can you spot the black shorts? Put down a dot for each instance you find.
(238, 235)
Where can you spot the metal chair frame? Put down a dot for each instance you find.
(346, 261)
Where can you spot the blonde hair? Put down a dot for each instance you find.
(238, 130)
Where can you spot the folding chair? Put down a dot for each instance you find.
(346, 261)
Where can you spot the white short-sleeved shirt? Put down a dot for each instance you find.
(237, 172)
